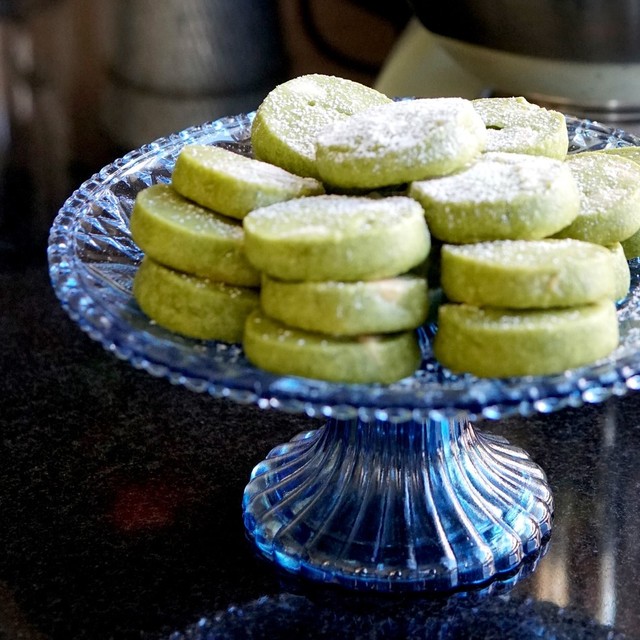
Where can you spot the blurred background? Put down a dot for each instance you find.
(84, 81)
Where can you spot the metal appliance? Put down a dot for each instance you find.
(84, 81)
(579, 56)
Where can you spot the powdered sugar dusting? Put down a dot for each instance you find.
(399, 142)
(401, 126)
(516, 137)
(516, 125)
(328, 215)
(496, 177)
(603, 180)
(300, 108)
(531, 252)
(531, 319)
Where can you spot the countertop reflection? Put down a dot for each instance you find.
(121, 517)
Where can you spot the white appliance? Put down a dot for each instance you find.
(423, 64)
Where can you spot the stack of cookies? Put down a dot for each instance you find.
(337, 301)
(308, 253)
(195, 278)
(519, 307)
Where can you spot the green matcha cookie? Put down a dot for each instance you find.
(189, 238)
(517, 126)
(500, 196)
(631, 152)
(621, 271)
(281, 349)
(528, 274)
(192, 306)
(399, 142)
(631, 246)
(333, 237)
(233, 185)
(348, 308)
(292, 115)
(500, 343)
(609, 198)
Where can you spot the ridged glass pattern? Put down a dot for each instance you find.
(391, 506)
(93, 259)
(397, 491)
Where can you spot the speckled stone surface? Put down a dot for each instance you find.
(121, 517)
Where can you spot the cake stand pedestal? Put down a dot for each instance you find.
(387, 506)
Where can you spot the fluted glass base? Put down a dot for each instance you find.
(384, 506)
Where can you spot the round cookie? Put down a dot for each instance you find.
(233, 185)
(289, 119)
(192, 306)
(281, 349)
(609, 198)
(631, 246)
(399, 142)
(514, 125)
(501, 196)
(332, 237)
(501, 343)
(621, 270)
(348, 308)
(629, 152)
(528, 274)
(184, 236)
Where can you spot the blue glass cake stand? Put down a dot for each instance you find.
(398, 490)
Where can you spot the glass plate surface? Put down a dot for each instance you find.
(93, 259)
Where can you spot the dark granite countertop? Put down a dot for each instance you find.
(120, 504)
